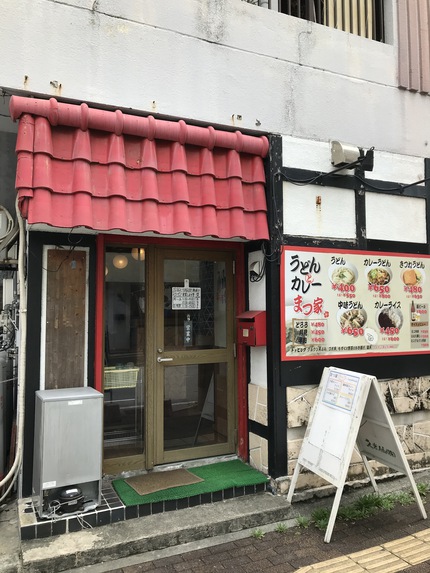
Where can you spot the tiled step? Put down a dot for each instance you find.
(112, 510)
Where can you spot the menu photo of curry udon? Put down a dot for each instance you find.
(377, 275)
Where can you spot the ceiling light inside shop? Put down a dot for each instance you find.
(138, 254)
(120, 261)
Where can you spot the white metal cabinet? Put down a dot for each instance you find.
(68, 442)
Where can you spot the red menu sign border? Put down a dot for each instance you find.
(336, 252)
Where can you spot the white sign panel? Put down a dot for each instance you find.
(353, 303)
(334, 423)
(375, 437)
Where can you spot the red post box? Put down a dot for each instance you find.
(251, 328)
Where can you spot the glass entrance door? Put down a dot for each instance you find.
(194, 366)
(169, 356)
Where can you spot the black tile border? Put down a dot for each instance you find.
(28, 532)
(205, 498)
(104, 517)
(228, 493)
(59, 526)
(44, 529)
(131, 512)
(116, 504)
(74, 524)
(157, 507)
(144, 509)
(112, 510)
(183, 503)
(117, 514)
(194, 500)
(171, 505)
(89, 520)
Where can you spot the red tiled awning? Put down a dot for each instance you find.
(106, 170)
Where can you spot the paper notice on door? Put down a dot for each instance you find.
(186, 298)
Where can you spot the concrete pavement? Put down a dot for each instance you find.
(223, 537)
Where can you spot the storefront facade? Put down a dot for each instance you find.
(162, 206)
(145, 319)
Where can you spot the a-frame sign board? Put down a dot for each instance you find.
(349, 411)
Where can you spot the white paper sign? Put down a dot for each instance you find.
(186, 297)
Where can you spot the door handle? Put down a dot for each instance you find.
(159, 359)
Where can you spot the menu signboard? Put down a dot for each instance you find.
(353, 303)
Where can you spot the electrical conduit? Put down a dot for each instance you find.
(13, 473)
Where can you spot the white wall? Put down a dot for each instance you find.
(257, 301)
(224, 62)
(318, 211)
(323, 211)
(316, 156)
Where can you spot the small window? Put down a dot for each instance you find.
(362, 17)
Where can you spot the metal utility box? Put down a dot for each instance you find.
(251, 328)
(68, 442)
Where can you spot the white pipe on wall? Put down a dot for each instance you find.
(13, 473)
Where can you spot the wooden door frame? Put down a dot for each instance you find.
(185, 357)
(237, 249)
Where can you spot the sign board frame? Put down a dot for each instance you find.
(333, 306)
(349, 412)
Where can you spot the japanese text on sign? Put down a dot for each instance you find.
(186, 298)
(353, 303)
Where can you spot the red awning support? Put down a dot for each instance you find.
(104, 170)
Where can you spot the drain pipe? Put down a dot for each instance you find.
(14, 471)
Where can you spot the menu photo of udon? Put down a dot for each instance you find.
(355, 318)
(413, 277)
(380, 276)
(343, 274)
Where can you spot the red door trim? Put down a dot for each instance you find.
(99, 314)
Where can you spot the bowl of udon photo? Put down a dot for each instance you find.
(343, 274)
(413, 277)
(352, 318)
(377, 275)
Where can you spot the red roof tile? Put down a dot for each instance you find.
(108, 170)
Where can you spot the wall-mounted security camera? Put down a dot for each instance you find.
(342, 154)
(254, 271)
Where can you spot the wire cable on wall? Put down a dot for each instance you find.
(68, 252)
(12, 475)
(320, 176)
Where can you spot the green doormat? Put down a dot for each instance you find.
(219, 476)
